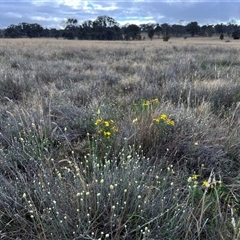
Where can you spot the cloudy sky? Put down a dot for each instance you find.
(53, 13)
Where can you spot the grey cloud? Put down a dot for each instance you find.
(49, 13)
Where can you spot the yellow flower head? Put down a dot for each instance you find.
(146, 103)
(156, 120)
(106, 123)
(98, 121)
(115, 129)
(195, 176)
(206, 184)
(155, 100)
(170, 122)
(163, 117)
(107, 134)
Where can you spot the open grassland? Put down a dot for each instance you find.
(119, 140)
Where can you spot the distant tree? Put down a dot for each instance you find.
(109, 34)
(219, 28)
(71, 29)
(106, 28)
(35, 30)
(68, 35)
(53, 32)
(221, 36)
(210, 30)
(166, 29)
(236, 34)
(206, 31)
(11, 31)
(151, 33)
(158, 30)
(71, 22)
(1, 33)
(105, 21)
(178, 30)
(45, 33)
(146, 27)
(132, 31)
(103, 28)
(231, 27)
(87, 30)
(87, 24)
(57, 35)
(143, 27)
(193, 28)
(24, 30)
(117, 32)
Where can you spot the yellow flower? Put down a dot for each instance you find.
(206, 184)
(98, 121)
(115, 129)
(107, 134)
(195, 176)
(146, 103)
(98, 111)
(163, 117)
(155, 100)
(106, 123)
(156, 120)
(170, 122)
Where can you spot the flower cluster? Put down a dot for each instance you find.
(105, 128)
(210, 183)
(164, 119)
(145, 104)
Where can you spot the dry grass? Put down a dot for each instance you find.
(163, 163)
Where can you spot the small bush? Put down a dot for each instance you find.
(166, 38)
(221, 36)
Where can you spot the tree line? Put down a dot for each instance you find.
(106, 28)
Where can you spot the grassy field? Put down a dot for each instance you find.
(120, 140)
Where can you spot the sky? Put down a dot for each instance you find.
(52, 14)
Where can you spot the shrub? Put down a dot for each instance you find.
(221, 36)
(166, 38)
